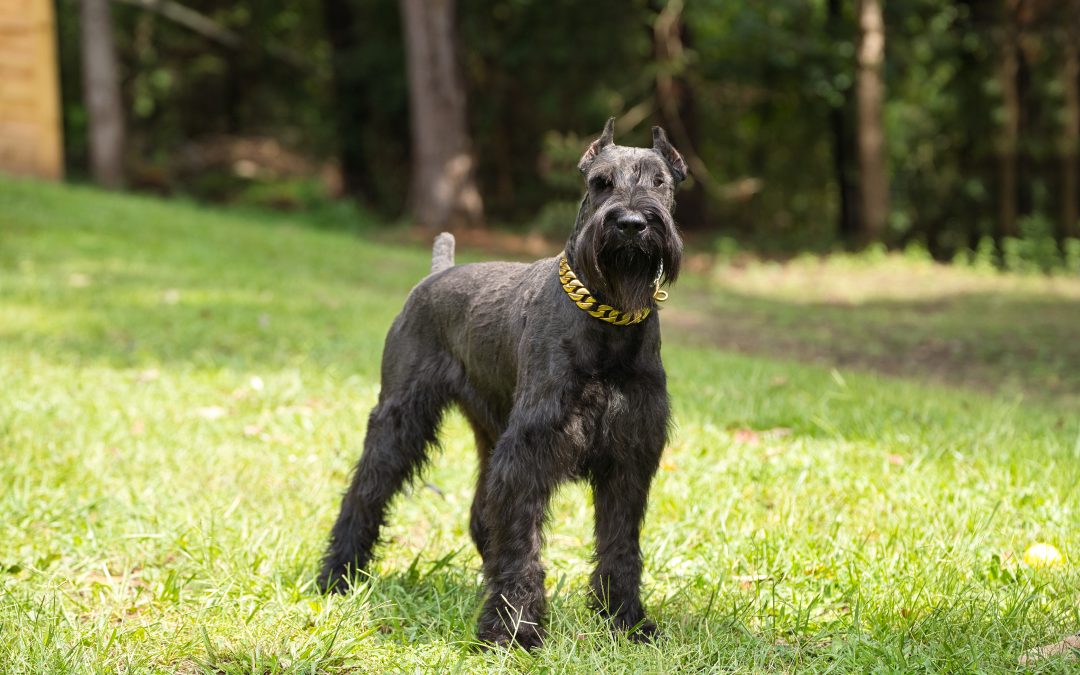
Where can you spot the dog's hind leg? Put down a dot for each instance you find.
(487, 427)
(400, 429)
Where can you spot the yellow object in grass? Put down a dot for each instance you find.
(1042, 555)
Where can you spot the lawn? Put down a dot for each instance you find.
(864, 448)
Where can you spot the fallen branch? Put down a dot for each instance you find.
(192, 20)
(197, 22)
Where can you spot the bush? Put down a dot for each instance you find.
(556, 219)
(1072, 256)
(726, 249)
(984, 257)
(1035, 251)
(558, 169)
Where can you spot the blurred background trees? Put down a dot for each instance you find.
(954, 124)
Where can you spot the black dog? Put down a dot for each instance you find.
(558, 382)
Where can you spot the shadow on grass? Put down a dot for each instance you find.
(429, 600)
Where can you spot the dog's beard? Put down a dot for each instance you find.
(622, 272)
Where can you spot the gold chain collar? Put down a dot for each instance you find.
(584, 299)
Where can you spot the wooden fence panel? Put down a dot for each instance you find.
(31, 141)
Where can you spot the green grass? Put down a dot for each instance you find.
(183, 392)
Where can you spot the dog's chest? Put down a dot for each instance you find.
(612, 383)
(609, 356)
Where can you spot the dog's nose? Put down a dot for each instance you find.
(631, 223)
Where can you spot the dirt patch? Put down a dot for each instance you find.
(949, 342)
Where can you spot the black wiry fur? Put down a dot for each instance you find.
(552, 394)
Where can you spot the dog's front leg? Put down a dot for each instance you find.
(620, 496)
(520, 480)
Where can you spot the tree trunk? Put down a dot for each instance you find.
(1010, 132)
(841, 132)
(1070, 156)
(870, 94)
(443, 192)
(101, 94)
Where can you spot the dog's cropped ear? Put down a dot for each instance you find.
(597, 146)
(674, 160)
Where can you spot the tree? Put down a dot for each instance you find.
(101, 94)
(870, 135)
(443, 191)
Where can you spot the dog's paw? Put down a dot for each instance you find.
(641, 631)
(526, 636)
(336, 578)
(645, 633)
(331, 582)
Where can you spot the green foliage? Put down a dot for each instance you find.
(555, 219)
(372, 113)
(940, 61)
(984, 257)
(1072, 255)
(1037, 232)
(1014, 256)
(1035, 250)
(184, 397)
(181, 87)
(538, 66)
(558, 169)
(764, 90)
(917, 252)
(726, 249)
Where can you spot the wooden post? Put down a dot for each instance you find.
(31, 140)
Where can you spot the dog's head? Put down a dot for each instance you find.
(625, 232)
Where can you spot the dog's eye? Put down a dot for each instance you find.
(600, 183)
(658, 181)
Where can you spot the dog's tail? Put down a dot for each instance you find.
(442, 253)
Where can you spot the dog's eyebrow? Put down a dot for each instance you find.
(652, 166)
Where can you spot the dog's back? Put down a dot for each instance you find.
(474, 315)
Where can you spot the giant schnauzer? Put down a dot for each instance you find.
(556, 365)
